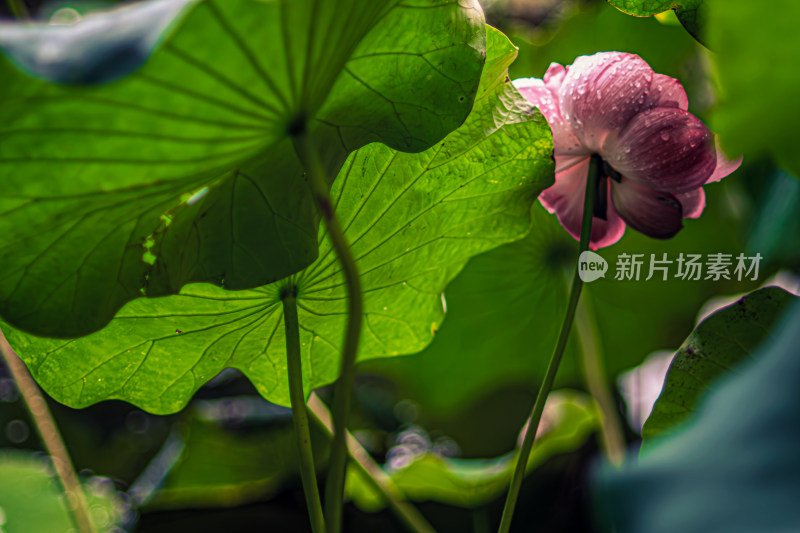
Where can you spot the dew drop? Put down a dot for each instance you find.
(664, 136)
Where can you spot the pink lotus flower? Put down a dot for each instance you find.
(656, 156)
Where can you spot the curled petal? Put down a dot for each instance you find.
(666, 92)
(664, 148)
(600, 94)
(554, 77)
(565, 199)
(692, 202)
(724, 165)
(655, 213)
(564, 142)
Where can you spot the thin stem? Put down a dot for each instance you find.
(294, 367)
(595, 375)
(334, 486)
(18, 9)
(46, 426)
(555, 360)
(362, 460)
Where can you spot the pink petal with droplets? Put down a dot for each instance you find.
(668, 149)
(601, 93)
(724, 165)
(565, 199)
(666, 92)
(564, 142)
(655, 213)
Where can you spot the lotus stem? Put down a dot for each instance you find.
(597, 383)
(334, 487)
(294, 367)
(407, 513)
(54, 444)
(552, 367)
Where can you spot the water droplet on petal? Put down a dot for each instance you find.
(664, 136)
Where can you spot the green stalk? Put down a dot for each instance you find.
(46, 426)
(18, 9)
(555, 360)
(334, 486)
(294, 367)
(595, 375)
(407, 513)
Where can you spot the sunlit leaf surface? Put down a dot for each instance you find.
(412, 221)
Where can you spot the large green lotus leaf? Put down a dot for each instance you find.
(735, 466)
(717, 346)
(756, 54)
(570, 417)
(184, 170)
(31, 499)
(506, 307)
(412, 220)
(691, 13)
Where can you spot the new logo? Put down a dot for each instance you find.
(591, 266)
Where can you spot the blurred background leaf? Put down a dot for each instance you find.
(31, 498)
(734, 467)
(227, 453)
(718, 345)
(422, 474)
(757, 49)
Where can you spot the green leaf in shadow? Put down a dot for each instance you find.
(184, 170)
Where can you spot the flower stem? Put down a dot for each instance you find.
(18, 9)
(46, 426)
(555, 360)
(597, 383)
(407, 513)
(300, 414)
(334, 486)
